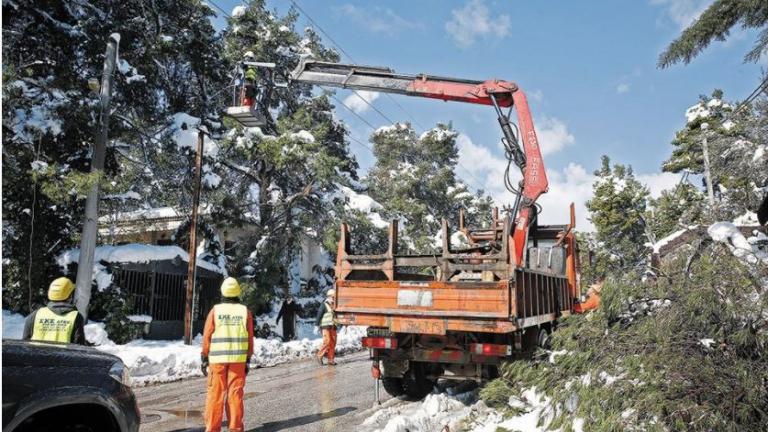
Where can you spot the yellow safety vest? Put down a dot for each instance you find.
(50, 327)
(327, 320)
(229, 343)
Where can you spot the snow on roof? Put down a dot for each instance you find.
(133, 253)
(142, 214)
(666, 240)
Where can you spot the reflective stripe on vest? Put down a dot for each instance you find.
(229, 343)
(50, 327)
(327, 320)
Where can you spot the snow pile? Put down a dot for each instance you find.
(437, 412)
(728, 233)
(535, 416)
(155, 361)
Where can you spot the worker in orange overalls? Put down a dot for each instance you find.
(593, 298)
(326, 320)
(227, 351)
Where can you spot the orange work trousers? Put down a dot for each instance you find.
(225, 380)
(329, 344)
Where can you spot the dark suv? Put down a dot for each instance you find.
(65, 388)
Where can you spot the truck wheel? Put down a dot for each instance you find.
(544, 340)
(393, 386)
(416, 385)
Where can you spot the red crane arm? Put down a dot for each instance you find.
(491, 92)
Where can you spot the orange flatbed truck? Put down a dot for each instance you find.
(459, 313)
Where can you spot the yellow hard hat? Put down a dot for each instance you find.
(230, 287)
(331, 293)
(60, 289)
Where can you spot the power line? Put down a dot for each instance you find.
(219, 8)
(343, 51)
(752, 96)
(353, 111)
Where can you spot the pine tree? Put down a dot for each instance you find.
(675, 209)
(50, 52)
(617, 210)
(715, 23)
(414, 179)
(738, 160)
(281, 177)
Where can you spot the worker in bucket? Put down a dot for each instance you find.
(250, 76)
(593, 298)
(226, 356)
(288, 312)
(59, 321)
(326, 320)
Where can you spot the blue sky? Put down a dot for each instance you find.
(589, 69)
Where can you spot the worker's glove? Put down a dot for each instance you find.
(247, 365)
(204, 364)
(317, 330)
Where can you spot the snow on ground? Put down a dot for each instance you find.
(452, 409)
(154, 361)
(436, 412)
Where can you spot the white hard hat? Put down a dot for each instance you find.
(249, 54)
(331, 293)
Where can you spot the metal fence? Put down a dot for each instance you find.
(158, 289)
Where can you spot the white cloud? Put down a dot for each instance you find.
(683, 12)
(475, 20)
(573, 183)
(356, 103)
(553, 135)
(536, 95)
(377, 20)
(622, 88)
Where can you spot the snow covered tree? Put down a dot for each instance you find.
(617, 210)
(675, 209)
(51, 52)
(280, 177)
(737, 152)
(414, 179)
(715, 23)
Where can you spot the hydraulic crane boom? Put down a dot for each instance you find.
(499, 94)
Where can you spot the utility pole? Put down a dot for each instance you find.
(91, 221)
(192, 269)
(707, 172)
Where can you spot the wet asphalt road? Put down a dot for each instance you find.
(300, 396)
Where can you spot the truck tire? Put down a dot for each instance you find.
(416, 385)
(393, 386)
(544, 341)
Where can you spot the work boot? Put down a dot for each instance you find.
(320, 360)
(331, 363)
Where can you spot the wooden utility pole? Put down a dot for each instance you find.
(707, 172)
(192, 269)
(91, 222)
